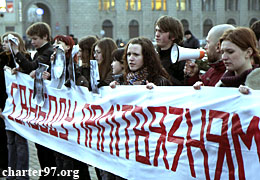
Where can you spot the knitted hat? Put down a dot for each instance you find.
(187, 32)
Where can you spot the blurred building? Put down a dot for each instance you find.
(124, 19)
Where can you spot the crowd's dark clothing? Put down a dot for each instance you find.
(18, 150)
(211, 77)
(229, 79)
(64, 162)
(119, 78)
(193, 42)
(6, 59)
(83, 76)
(42, 55)
(46, 159)
(3, 138)
(18, 154)
(83, 169)
(106, 81)
(3, 147)
(175, 70)
(3, 94)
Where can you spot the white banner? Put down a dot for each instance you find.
(164, 133)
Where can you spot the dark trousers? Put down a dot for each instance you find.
(83, 170)
(64, 163)
(3, 146)
(46, 159)
(18, 154)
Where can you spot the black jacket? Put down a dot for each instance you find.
(192, 43)
(6, 59)
(175, 70)
(42, 55)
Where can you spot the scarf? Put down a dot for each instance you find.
(230, 80)
(138, 77)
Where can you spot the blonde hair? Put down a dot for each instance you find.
(21, 45)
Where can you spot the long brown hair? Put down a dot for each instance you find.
(85, 45)
(150, 58)
(107, 46)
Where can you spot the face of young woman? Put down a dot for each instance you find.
(134, 57)
(5, 44)
(98, 55)
(117, 67)
(64, 46)
(234, 58)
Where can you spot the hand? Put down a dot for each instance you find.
(45, 75)
(14, 47)
(198, 85)
(190, 68)
(53, 54)
(32, 74)
(15, 70)
(150, 85)
(244, 89)
(113, 84)
(1, 115)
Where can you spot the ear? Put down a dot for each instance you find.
(249, 52)
(218, 47)
(173, 38)
(45, 37)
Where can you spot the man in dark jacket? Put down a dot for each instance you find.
(212, 76)
(169, 31)
(191, 41)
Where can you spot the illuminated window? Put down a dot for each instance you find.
(106, 5)
(133, 5)
(183, 5)
(159, 5)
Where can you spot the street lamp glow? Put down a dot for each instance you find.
(39, 11)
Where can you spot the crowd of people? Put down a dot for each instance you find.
(232, 54)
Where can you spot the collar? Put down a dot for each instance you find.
(217, 64)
